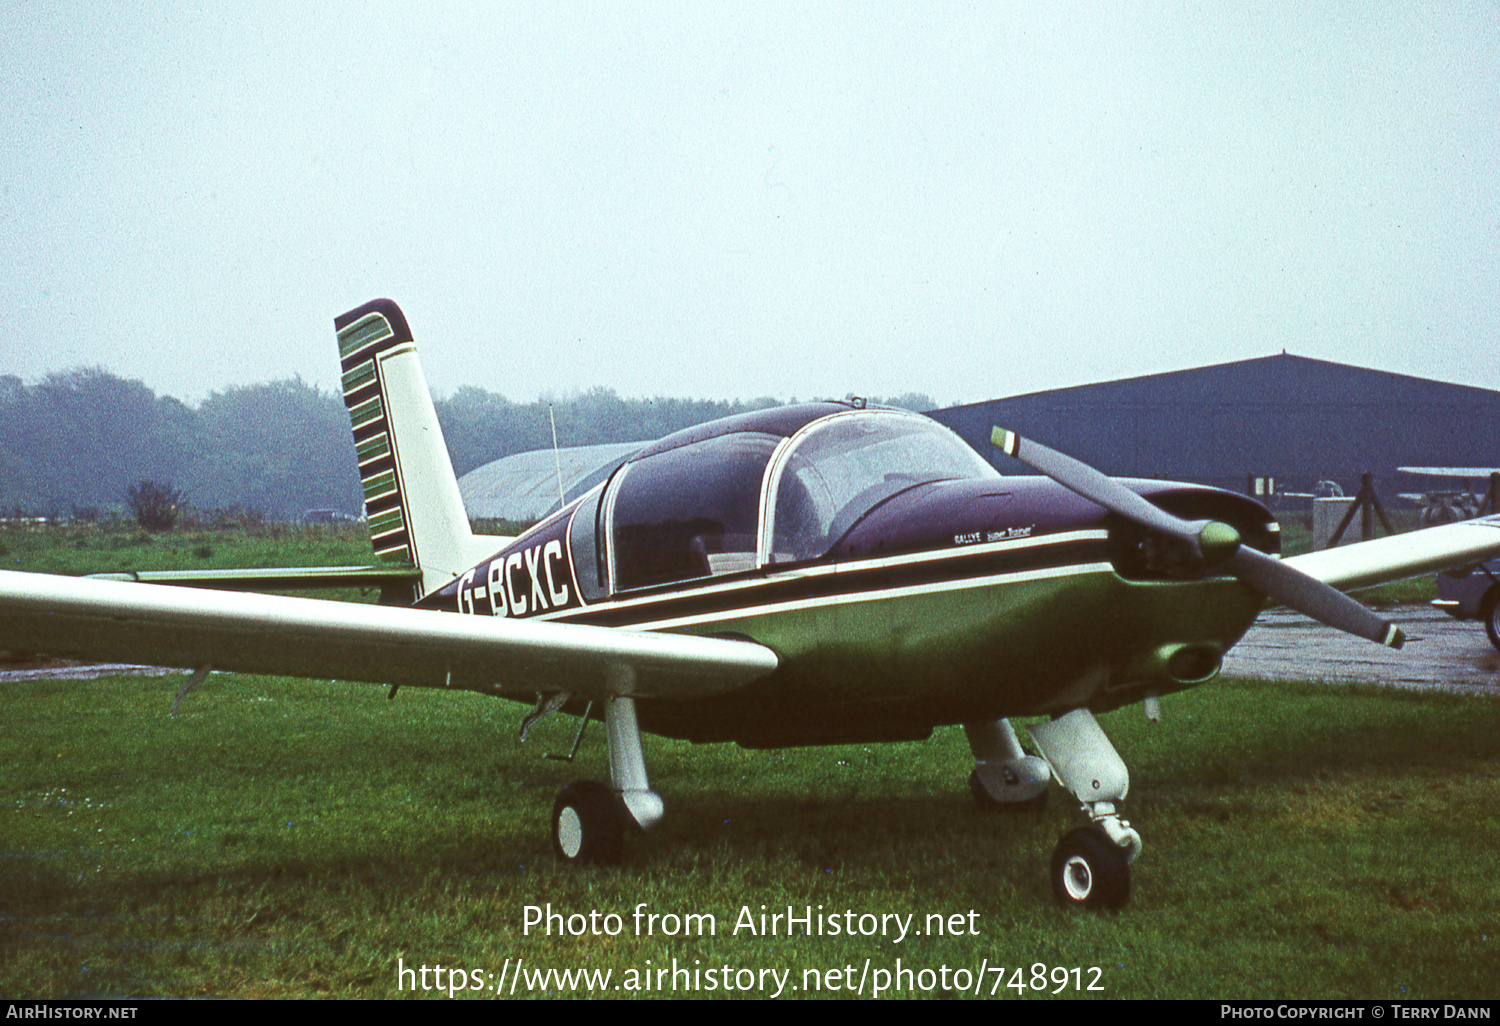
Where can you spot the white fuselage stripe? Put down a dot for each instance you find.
(856, 566)
(851, 598)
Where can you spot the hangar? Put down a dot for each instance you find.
(1296, 419)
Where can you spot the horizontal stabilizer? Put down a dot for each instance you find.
(282, 578)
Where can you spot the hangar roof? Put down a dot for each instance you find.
(1291, 417)
(1280, 380)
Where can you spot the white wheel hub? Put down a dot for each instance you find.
(1078, 879)
(569, 832)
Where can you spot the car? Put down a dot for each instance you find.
(329, 516)
(1472, 593)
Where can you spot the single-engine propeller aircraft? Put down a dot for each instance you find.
(820, 573)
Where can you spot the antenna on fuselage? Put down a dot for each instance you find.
(556, 458)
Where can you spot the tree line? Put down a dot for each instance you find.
(78, 441)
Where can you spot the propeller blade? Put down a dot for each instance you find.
(1310, 596)
(1214, 541)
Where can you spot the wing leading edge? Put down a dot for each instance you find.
(189, 627)
(1404, 555)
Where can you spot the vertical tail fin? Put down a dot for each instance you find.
(412, 503)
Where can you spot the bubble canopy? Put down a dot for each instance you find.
(768, 493)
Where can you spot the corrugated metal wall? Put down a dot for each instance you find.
(1293, 418)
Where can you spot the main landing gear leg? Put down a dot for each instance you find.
(589, 819)
(1091, 865)
(627, 764)
(1004, 776)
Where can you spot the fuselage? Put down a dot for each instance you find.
(901, 580)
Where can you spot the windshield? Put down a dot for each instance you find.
(846, 465)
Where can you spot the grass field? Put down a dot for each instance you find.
(121, 546)
(287, 838)
(301, 839)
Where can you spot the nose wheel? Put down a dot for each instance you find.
(1091, 865)
(1090, 871)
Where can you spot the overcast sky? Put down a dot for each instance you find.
(721, 201)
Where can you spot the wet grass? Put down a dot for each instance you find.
(120, 546)
(296, 839)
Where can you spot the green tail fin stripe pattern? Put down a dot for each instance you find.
(373, 448)
(360, 377)
(367, 413)
(369, 329)
(367, 337)
(384, 524)
(383, 483)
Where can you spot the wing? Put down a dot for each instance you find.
(190, 627)
(1451, 471)
(1404, 555)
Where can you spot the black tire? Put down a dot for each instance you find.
(1090, 871)
(1492, 616)
(588, 824)
(987, 804)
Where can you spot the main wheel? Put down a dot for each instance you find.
(1090, 871)
(1492, 617)
(588, 824)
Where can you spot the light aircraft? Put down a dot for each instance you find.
(815, 574)
(1443, 507)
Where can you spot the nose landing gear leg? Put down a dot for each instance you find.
(1091, 865)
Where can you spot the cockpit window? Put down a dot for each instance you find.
(846, 465)
(692, 511)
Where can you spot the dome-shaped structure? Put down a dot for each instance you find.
(524, 486)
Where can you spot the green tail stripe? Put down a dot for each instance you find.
(381, 484)
(367, 412)
(359, 377)
(395, 555)
(369, 328)
(373, 448)
(386, 523)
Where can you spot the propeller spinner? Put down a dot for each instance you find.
(1214, 543)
